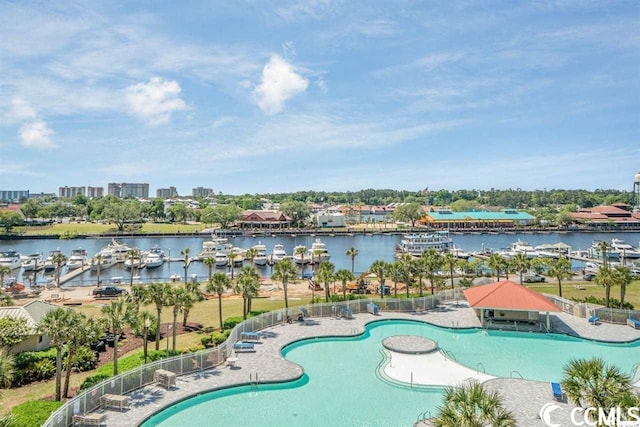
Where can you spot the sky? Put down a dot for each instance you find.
(249, 96)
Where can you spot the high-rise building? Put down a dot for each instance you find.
(202, 192)
(125, 189)
(68, 192)
(93, 192)
(166, 193)
(12, 196)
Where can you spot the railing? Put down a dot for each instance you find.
(141, 376)
(585, 310)
(448, 354)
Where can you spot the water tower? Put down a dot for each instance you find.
(636, 193)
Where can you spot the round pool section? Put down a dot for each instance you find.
(410, 344)
(343, 389)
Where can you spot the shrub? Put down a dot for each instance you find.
(33, 366)
(206, 340)
(44, 369)
(84, 360)
(613, 303)
(219, 337)
(34, 413)
(93, 380)
(231, 322)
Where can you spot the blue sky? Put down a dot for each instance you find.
(258, 96)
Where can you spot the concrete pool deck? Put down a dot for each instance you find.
(268, 365)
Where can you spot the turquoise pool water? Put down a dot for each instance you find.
(340, 387)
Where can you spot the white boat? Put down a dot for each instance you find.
(300, 255)
(459, 253)
(319, 251)
(522, 247)
(221, 259)
(33, 262)
(154, 258)
(77, 259)
(136, 261)
(10, 259)
(104, 259)
(417, 244)
(595, 251)
(118, 250)
(236, 255)
(553, 250)
(261, 254)
(216, 244)
(624, 249)
(49, 264)
(278, 253)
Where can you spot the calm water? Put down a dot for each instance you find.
(342, 388)
(370, 247)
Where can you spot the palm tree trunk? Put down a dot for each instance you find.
(220, 309)
(67, 373)
(185, 316)
(623, 291)
(158, 311)
(432, 287)
(395, 289)
(420, 284)
(607, 294)
(344, 290)
(175, 321)
(116, 337)
(560, 288)
(286, 298)
(58, 371)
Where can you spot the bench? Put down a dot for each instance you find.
(115, 401)
(633, 323)
(93, 419)
(593, 319)
(243, 346)
(250, 336)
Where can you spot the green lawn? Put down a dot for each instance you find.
(572, 290)
(91, 228)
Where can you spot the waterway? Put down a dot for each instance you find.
(371, 247)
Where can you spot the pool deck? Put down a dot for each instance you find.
(523, 397)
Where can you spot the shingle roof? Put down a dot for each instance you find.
(32, 312)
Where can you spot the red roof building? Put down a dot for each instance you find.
(607, 215)
(264, 219)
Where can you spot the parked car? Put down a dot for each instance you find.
(533, 278)
(589, 276)
(109, 291)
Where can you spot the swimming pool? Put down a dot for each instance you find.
(340, 386)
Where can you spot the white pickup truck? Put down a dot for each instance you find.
(533, 278)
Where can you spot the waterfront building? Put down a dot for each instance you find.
(506, 218)
(264, 219)
(616, 216)
(202, 192)
(69, 192)
(330, 219)
(11, 196)
(167, 193)
(122, 190)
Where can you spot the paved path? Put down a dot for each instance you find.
(268, 364)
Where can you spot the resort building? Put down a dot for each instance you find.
(615, 216)
(94, 192)
(507, 218)
(330, 219)
(122, 190)
(12, 196)
(166, 193)
(264, 219)
(33, 313)
(69, 192)
(202, 192)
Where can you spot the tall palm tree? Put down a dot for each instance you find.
(178, 297)
(132, 256)
(117, 315)
(380, 269)
(497, 263)
(622, 277)
(449, 261)
(344, 275)
(251, 254)
(210, 262)
(559, 268)
(396, 273)
(195, 295)
(326, 276)
(247, 285)
(158, 294)
(185, 253)
(521, 263)
(353, 253)
(56, 325)
(284, 271)
(602, 247)
(58, 259)
(593, 383)
(407, 265)
(471, 405)
(218, 283)
(98, 259)
(145, 320)
(82, 331)
(7, 368)
(432, 261)
(137, 296)
(606, 278)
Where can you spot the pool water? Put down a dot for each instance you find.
(340, 387)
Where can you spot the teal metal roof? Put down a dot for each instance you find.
(480, 216)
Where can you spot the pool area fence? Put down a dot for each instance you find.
(586, 310)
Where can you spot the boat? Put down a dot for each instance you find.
(624, 249)
(261, 254)
(103, 260)
(118, 250)
(135, 261)
(216, 244)
(77, 259)
(300, 255)
(416, 244)
(236, 255)
(319, 252)
(553, 250)
(221, 259)
(34, 262)
(459, 253)
(595, 251)
(278, 253)
(522, 247)
(154, 258)
(49, 263)
(10, 259)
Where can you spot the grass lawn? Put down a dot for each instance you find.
(569, 290)
(96, 228)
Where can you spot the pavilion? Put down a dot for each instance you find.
(508, 301)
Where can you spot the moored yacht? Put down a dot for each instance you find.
(154, 258)
(135, 261)
(77, 259)
(319, 251)
(33, 262)
(416, 244)
(119, 250)
(49, 263)
(103, 260)
(624, 249)
(10, 259)
(459, 253)
(300, 255)
(278, 253)
(236, 255)
(216, 244)
(221, 259)
(261, 254)
(522, 247)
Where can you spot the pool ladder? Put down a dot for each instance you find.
(423, 416)
(515, 372)
(448, 355)
(253, 380)
(478, 366)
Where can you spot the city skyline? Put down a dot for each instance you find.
(272, 97)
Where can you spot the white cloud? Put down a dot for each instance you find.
(279, 83)
(36, 134)
(221, 121)
(21, 110)
(154, 101)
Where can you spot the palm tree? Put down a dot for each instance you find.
(158, 295)
(178, 297)
(521, 263)
(137, 296)
(496, 263)
(471, 405)
(98, 259)
(594, 383)
(117, 314)
(82, 331)
(344, 275)
(432, 261)
(380, 269)
(247, 286)
(218, 283)
(602, 247)
(407, 265)
(559, 268)
(7, 368)
(284, 271)
(195, 295)
(353, 253)
(133, 255)
(58, 259)
(301, 251)
(56, 325)
(326, 275)
(145, 319)
(622, 277)
(251, 254)
(396, 273)
(210, 262)
(605, 277)
(187, 261)
(449, 261)
(4, 270)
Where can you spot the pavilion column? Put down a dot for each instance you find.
(548, 321)
(482, 316)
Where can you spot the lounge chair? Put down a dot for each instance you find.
(593, 319)
(92, 419)
(557, 392)
(243, 346)
(250, 336)
(633, 323)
